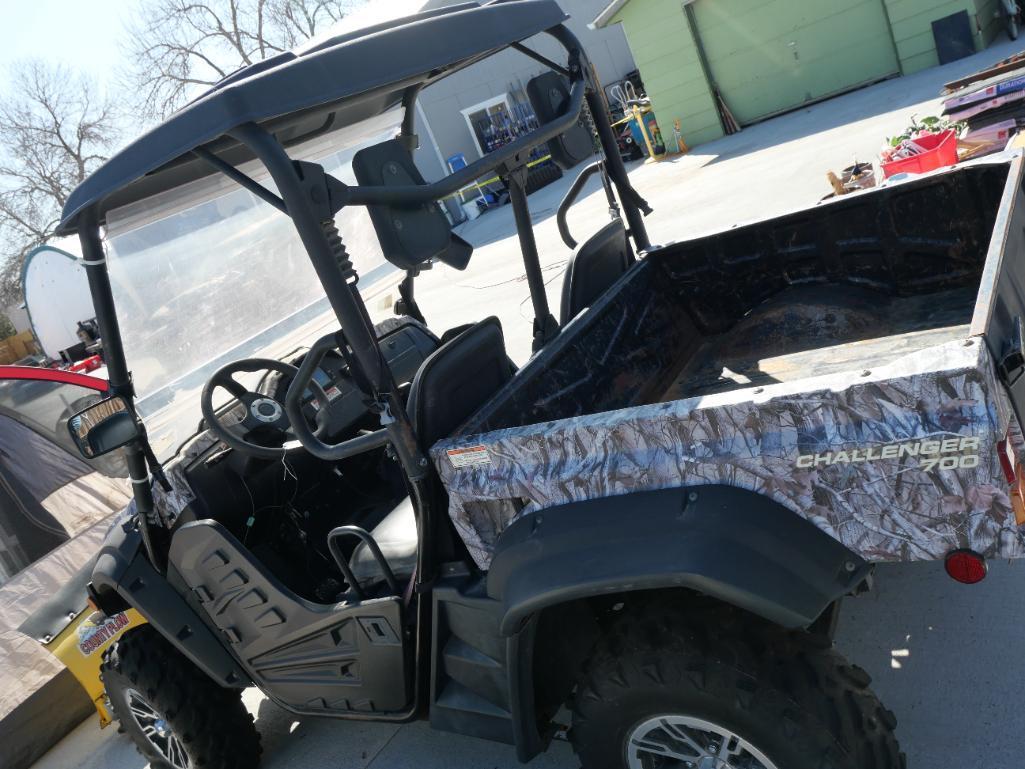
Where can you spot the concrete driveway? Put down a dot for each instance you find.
(948, 659)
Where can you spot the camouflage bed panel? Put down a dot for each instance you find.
(897, 463)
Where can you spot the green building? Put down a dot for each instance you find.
(769, 56)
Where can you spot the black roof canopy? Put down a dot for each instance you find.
(299, 95)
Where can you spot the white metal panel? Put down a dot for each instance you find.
(57, 297)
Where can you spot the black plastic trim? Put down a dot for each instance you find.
(522, 705)
(121, 567)
(59, 609)
(732, 544)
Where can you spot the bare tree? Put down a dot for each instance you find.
(179, 46)
(54, 130)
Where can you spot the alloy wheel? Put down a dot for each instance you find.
(158, 731)
(684, 742)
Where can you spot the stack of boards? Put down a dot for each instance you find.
(991, 102)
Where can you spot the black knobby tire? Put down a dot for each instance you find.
(210, 722)
(790, 695)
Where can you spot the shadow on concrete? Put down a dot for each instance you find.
(289, 740)
(945, 646)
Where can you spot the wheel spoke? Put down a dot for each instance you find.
(229, 383)
(649, 745)
(156, 730)
(731, 746)
(680, 732)
(176, 753)
(142, 712)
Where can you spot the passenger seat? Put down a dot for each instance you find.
(453, 383)
(597, 263)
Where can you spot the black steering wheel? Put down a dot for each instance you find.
(264, 415)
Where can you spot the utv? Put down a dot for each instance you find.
(652, 522)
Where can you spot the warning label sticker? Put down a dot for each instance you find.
(469, 456)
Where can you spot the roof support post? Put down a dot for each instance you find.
(340, 288)
(408, 131)
(617, 172)
(154, 537)
(545, 325)
(359, 333)
(632, 203)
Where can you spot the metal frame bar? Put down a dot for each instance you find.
(375, 550)
(541, 59)
(570, 198)
(545, 325)
(408, 130)
(427, 193)
(154, 539)
(54, 375)
(240, 178)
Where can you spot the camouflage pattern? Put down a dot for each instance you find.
(170, 503)
(883, 503)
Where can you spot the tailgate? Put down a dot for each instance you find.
(1000, 310)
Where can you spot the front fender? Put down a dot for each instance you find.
(735, 545)
(122, 568)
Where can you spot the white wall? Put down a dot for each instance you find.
(510, 71)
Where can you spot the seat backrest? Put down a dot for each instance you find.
(457, 379)
(597, 263)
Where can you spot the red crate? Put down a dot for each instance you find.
(941, 151)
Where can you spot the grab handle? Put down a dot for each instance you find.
(571, 197)
(355, 531)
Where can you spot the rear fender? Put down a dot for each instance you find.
(732, 544)
(123, 569)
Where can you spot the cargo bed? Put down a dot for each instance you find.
(843, 360)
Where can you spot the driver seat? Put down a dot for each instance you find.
(452, 383)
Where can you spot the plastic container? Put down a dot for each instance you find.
(940, 151)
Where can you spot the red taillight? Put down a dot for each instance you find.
(965, 566)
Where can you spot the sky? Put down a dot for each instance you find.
(90, 36)
(87, 34)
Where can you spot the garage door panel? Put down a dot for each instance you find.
(778, 54)
(815, 38)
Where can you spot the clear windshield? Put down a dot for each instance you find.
(208, 273)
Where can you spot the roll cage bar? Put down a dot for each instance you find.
(311, 198)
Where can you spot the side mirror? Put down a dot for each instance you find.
(102, 427)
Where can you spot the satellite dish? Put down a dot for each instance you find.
(57, 297)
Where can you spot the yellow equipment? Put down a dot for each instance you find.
(80, 647)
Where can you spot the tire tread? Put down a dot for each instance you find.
(213, 724)
(817, 699)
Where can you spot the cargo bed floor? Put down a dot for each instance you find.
(808, 332)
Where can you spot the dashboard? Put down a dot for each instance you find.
(405, 348)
